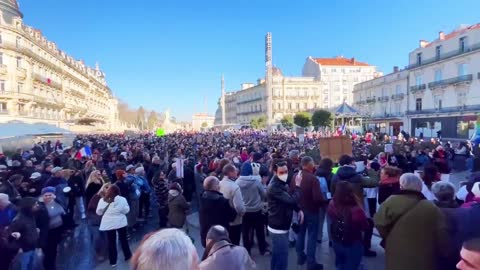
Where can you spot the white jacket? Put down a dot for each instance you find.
(114, 217)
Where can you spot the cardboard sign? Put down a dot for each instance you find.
(334, 147)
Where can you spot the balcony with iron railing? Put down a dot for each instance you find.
(387, 115)
(452, 109)
(370, 100)
(417, 88)
(250, 112)
(360, 102)
(464, 79)
(47, 81)
(383, 99)
(249, 100)
(399, 96)
(444, 56)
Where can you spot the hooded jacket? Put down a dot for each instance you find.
(253, 192)
(349, 174)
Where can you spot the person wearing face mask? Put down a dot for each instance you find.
(281, 205)
(311, 200)
(231, 191)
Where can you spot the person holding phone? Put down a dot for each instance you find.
(280, 213)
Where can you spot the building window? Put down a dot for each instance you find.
(438, 75)
(305, 105)
(289, 106)
(398, 89)
(418, 104)
(437, 102)
(315, 105)
(18, 42)
(462, 69)
(397, 108)
(1, 39)
(419, 58)
(3, 106)
(1, 58)
(19, 62)
(298, 106)
(2, 86)
(438, 51)
(419, 80)
(20, 87)
(279, 106)
(463, 44)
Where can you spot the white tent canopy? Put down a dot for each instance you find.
(18, 128)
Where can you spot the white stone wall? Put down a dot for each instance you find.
(383, 97)
(338, 81)
(40, 83)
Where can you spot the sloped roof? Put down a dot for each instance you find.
(460, 31)
(345, 110)
(339, 61)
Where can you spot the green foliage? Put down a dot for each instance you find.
(302, 119)
(259, 122)
(287, 121)
(321, 118)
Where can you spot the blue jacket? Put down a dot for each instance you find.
(7, 215)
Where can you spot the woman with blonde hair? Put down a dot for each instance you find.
(99, 238)
(93, 185)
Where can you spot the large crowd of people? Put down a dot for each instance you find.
(252, 189)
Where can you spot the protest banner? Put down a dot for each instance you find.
(334, 147)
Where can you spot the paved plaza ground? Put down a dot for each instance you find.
(77, 253)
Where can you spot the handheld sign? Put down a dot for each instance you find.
(160, 132)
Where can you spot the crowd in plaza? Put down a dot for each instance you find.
(252, 189)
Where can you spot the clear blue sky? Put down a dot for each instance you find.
(170, 53)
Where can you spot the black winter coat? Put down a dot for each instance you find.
(214, 210)
(281, 204)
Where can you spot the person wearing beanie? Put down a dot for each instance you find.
(55, 213)
(253, 193)
(177, 206)
(222, 254)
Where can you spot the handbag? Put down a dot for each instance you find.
(383, 243)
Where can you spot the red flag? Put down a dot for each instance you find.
(49, 81)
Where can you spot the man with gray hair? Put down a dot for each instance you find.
(214, 208)
(167, 249)
(144, 200)
(413, 229)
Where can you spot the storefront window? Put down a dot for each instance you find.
(465, 128)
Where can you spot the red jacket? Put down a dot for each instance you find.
(359, 221)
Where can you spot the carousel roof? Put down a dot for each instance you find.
(345, 110)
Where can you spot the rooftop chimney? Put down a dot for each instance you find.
(441, 35)
(423, 43)
(395, 69)
(353, 61)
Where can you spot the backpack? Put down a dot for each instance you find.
(341, 230)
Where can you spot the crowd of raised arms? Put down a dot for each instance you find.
(252, 190)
